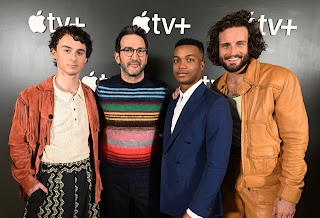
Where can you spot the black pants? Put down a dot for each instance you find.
(69, 192)
(129, 195)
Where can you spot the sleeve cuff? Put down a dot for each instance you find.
(192, 214)
(289, 193)
(28, 183)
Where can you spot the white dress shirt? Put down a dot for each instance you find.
(183, 99)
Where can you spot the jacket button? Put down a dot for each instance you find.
(188, 142)
(178, 181)
(178, 162)
(50, 116)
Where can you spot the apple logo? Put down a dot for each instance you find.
(90, 81)
(36, 23)
(142, 21)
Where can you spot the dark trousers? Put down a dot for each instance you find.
(69, 192)
(129, 194)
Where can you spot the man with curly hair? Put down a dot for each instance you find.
(54, 136)
(270, 125)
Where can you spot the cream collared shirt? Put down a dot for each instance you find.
(69, 131)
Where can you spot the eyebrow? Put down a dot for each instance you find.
(225, 43)
(65, 46)
(133, 48)
(192, 55)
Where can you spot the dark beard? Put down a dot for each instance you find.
(126, 70)
(232, 69)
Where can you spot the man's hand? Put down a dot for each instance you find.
(36, 187)
(186, 215)
(283, 208)
(175, 93)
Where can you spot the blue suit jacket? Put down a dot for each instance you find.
(195, 155)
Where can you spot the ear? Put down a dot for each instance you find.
(53, 53)
(117, 57)
(86, 60)
(202, 65)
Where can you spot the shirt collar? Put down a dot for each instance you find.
(185, 96)
(67, 96)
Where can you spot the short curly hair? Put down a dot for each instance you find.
(77, 33)
(241, 18)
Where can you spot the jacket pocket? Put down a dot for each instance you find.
(263, 160)
(265, 195)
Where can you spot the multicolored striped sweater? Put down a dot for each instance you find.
(132, 121)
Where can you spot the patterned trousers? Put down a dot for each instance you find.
(69, 192)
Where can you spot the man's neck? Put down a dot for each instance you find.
(234, 79)
(132, 79)
(185, 88)
(67, 83)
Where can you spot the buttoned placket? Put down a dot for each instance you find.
(74, 112)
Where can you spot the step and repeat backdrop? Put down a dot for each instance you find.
(291, 28)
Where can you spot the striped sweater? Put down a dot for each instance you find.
(132, 122)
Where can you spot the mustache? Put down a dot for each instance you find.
(134, 62)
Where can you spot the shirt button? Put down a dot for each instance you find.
(50, 116)
(74, 109)
(75, 119)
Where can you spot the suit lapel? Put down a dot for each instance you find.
(193, 102)
(167, 124)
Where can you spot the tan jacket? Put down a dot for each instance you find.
(274, 128)
(30, 132)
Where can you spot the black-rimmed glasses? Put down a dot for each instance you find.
(141, 52)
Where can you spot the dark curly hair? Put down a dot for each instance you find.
(129, 30)
(240, 18)
(77, 33)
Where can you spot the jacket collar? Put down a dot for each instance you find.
(47, 85)
(196, 98)
(251, 78)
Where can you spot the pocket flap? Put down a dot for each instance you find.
(262, 152)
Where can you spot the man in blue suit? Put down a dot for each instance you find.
(197, 140)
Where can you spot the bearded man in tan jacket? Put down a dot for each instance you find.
(270, 135)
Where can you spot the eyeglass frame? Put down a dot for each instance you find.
(134, 50)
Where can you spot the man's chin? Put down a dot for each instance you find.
(233, 69)
(135, 74)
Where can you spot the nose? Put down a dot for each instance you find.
(233, 50)
(182, 65)
(73, 56)
(134, 55)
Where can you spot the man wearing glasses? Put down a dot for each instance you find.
(131, 142)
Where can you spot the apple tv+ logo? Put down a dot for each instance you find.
(142, 21)
(36, 22)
